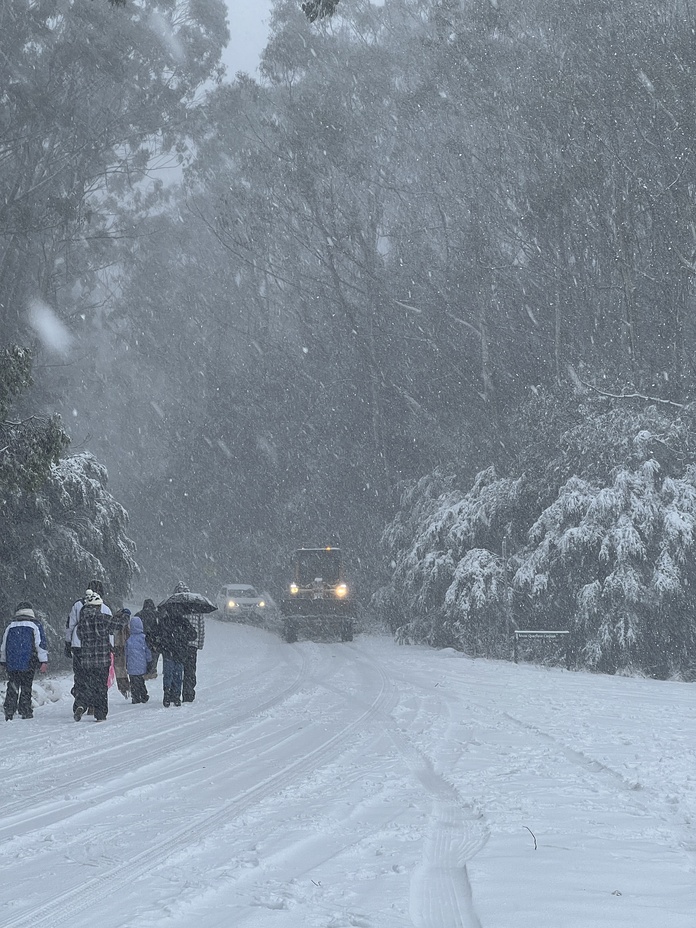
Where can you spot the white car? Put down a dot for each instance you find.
(240, 602)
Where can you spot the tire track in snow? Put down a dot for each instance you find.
(63, 909)
(440, 894)
(440, 889)
(576, 757)
(86, 767)
(640, 796)
(627, 789)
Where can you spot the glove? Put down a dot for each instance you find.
(43, 668)
(68, 649)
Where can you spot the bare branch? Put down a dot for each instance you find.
(634, 396)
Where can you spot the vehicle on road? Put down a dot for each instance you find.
(318, 602)
(241, 602)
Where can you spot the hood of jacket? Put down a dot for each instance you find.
(136, 625)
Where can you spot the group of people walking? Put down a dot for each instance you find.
(105, 646)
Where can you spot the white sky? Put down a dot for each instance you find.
(356, 785)
(248, 21)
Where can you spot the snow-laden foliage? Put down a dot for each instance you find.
(60, 525)
(607, 554)
(448, 583)
(615, 565)
(478, 604)
(57, 540)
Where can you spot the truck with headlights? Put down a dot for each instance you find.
(318, 602)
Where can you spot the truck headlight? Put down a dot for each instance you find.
(294, 589)
(341, 591)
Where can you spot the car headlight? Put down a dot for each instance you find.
(262, 604)
(231, 604)
(341, 591)
(294, 589)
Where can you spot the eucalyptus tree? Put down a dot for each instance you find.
(300, 209)
(606, 219)
(92, 99)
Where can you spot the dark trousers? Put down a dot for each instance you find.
(79, 690)
(96, 680)
(18, 694)
(189, 688)
(172, 673)
(138, 688)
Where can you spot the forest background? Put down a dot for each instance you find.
(424, 289)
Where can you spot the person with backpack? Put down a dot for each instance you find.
(94, 628)
(23, 649)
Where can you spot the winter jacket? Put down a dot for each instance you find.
(93, 629)
(138, 655)
(23, 644)
(174, 632)
(71, 636)
(149, 620)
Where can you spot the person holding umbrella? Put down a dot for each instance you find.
(175, 633)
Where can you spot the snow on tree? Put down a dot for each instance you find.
(61, 527)
(84, 532)
(600, 539)
(448, 576)
(477, 604)
(615, 566)
(70, 531)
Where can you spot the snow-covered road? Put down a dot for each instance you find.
(320, 785)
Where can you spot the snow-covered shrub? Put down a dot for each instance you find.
(71, 531)
(477, 604)
(615, 565)
(442, 592)
(600, 535)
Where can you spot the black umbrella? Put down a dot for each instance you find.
(189, 603)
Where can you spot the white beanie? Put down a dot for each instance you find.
(92, 598)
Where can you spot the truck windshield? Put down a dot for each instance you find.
(320, 563)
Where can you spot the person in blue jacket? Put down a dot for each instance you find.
(23, 649)
(138, 658)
